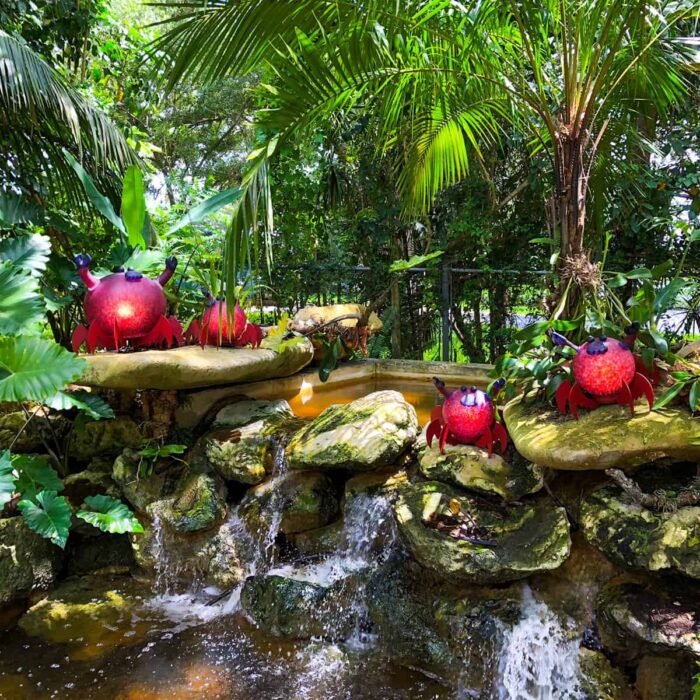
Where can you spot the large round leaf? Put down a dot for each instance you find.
(109, 515)
(32, 369)
(49, 515)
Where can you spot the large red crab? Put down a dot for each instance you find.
(605, 371)
(467, 417)
(125, 308)
(217, 329)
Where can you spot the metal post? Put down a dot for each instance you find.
(445, 313)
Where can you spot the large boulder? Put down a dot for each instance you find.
(30, 437)
(199, 503)
(654, 618)
(245, 439)
(28, 562)
(301, 500)
(637, 538)
(529, 538)
(103, 438)
(101, 554)
(193, 367)
(472, 468)
(369, 433)
(601, 439)
(665, 678)
(77, 487)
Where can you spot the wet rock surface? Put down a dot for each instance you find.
(472, 468)
(638, 538)
(369, 433)
(604, 438)
(653, 618)
(104, 438)
(28, 562)
(527, 538)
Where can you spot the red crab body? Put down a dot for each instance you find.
(216, 328)
(125, 308)
(467, 417)
(605, 371)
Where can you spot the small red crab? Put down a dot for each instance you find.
(605, 371)
(467, 417)
(125, 308)
(236, 334)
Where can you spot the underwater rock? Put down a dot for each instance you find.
(142, 489)
(198, 503)
(28, 562)
(522, 539)
(303, 500)
(655, 618)
(472, 468)
(193, 367)
(604, 438)
(637, 538)
(369, 433)
(287, 607)
(96, 613)
(244, 441)
(665, 678)
(103, 438)
(103, 554)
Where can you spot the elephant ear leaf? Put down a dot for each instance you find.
(33, 369)
(48, 514)
(30, 253)
(91, 404)
(20, 304)
(35, 474)
(109, 515)
(7, 478)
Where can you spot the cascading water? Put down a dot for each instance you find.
(539, 660)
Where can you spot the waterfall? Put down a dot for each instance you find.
(539, 660)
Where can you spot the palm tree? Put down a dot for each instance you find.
(443, 81)
(42, 119)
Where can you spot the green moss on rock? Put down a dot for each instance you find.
(369, 433)
(530, 537)
(103, 438)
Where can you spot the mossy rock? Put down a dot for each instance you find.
(141, 490)
(304, 500)
(604, 438)
(103, 554)
(93, 615)
(530, 538)
(600, 680)
(287, 607)
(320, 541)
(199, 503)
(640, 539)
(28, 440)
(77, 487)
(379, 483)
(665, 678)
(471, 468)
(28, 562)
(655, 618)
(103, 438)
(246, 437)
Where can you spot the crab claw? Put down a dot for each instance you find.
(578, 398)
(485, 441)
(194, 330)
(562, 395)
(80, 336)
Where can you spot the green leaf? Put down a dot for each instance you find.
(91, 404)
(641, 273)
(133, 209)
(553, 385)
(49, 515)
(30, 253)
(543, 239)
(20, 304)
(7, 478)
(668, 395)
(659, 341)
(98, 200)
(694, 398)
(413, 261)
(618, 280)
(34, 369)
(663, 269)
(109, 515)
(667, 296)
(35, 474)
(332, 352)
(14, 210)
(206, 208)
(533, 330)
(162, 450)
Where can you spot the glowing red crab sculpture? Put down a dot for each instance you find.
(125, 308)
(467, 417)
(236, 334)
(605, 371)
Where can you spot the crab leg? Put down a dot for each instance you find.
(501, 436)
(486, 441)
(578, 398)
(434, 428)
(176, 329)
(443, 438)
(80, 336)
(97, 339)
(641, 386)
(625, 397)
(562, 395)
